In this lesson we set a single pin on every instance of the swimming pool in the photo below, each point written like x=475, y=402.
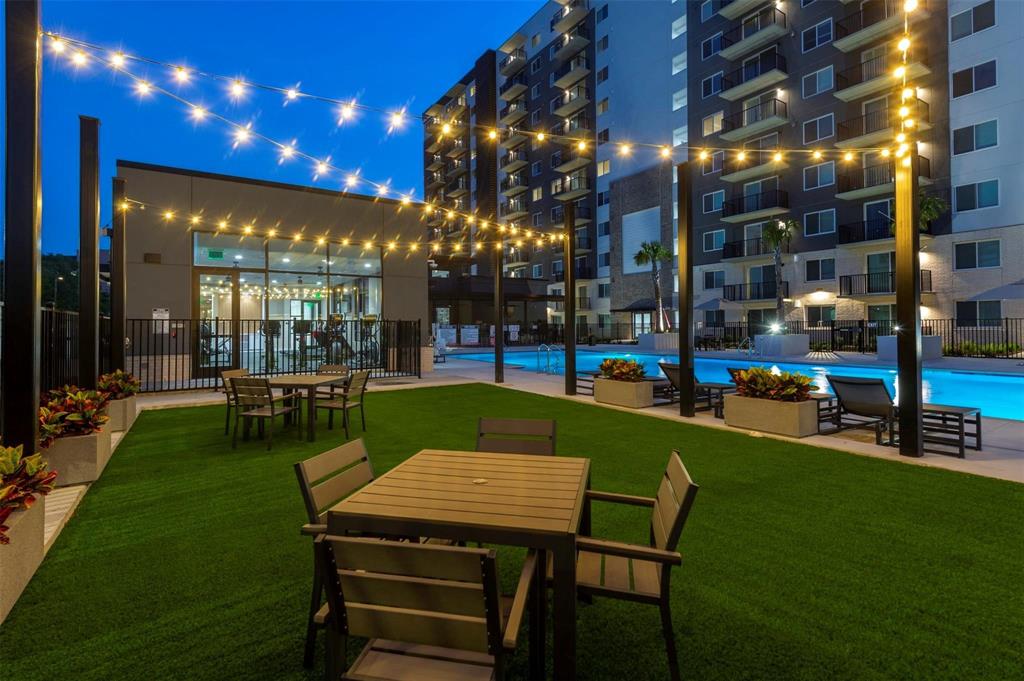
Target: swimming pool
x=997, y=395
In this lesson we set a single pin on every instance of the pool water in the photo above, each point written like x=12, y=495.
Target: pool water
x=997, y=395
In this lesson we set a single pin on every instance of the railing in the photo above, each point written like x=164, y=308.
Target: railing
x=876, y=175
x=518, y=54
x=870, y=12
x=758, y=290
x=575, y=124
x=874, y=283
x=580, y=31
x=874, y=68
x=509, y=207
x=571, y=184
x=868, y=230
x=456, y=185
x=759, y=66
x=513, y=155
x=578, y=62
x=751, y=159
x=516, y=106
x=775, y=198
x=574, y=93
x=518, y=79
x=876, y=121
x=558, y=214
x=458, y=165
x=514, y=182
x=582, y=243
x=749, y=247
x=583, y=303
x=769, y=16
x=755, y=114
x=565, y=11
x=581, y=273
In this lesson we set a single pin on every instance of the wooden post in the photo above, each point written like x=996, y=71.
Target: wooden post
x=118, y=288
x=23, y=208
x=908, y=305
x=684, y=267
x=88, y=251
x=569, y=269
x=499, y=309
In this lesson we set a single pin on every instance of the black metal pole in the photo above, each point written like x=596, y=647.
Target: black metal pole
x=499, y=309
x=88, y=251
x=22, y=265
x=908, y=305
x=569, y=269
x=687, y=398
x=118, y=288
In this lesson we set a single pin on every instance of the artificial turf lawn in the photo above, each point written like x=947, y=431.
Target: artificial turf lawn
x=185, y=560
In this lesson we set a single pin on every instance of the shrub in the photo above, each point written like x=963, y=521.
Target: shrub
x=21, y=479
x=763, y=384
x=80, y=412
x=972, y=349
x=622, y=370
x=51, y=425
x=118, y=385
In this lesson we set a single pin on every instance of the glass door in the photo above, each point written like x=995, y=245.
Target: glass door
x=880, y=272
x=216, y=313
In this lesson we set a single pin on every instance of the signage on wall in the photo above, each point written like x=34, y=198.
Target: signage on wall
x=214, y=254
x=161, y=319
x=470, y=334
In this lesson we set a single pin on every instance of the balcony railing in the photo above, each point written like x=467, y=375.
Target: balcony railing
x=573, y=183
x=572, y=11
x=581, y=273
x=755, y=114
x=513, y=207
x=512, y=182
x=579, y=62
x=880, y=66
x=759, y=66
x=751, y=159
x=876, y=121
x=516, y=59
x=875, y=176
x=759, y=290
x=583, y=303
x=513, y=108
x=579, y=123
x=877, y=283
x=749, y=247
x=457, y=186
x=776, y=198
x=519, y=79
x=435, y=179
x=456, y=166
x=868, y=230
x=558, y=214
x=870, y=12
x=517, y=155
x=769, y=16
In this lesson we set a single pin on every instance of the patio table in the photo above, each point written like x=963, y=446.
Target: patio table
x=309, y=383
x=523, y=500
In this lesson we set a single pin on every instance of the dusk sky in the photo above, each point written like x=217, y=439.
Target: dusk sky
x=385, y=54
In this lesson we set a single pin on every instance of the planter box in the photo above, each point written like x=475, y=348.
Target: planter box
x=624, y=393
x=657, y=341
x=20, y=559
x=80, y=458
x=795, y=419
x=780, y=345
x=931, y=348
x=122, y=414
x=426, y=359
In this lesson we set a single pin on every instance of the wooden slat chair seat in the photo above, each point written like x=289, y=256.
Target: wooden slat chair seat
x=429, y=612
x=229, y=395
x=353, y=397
x=516, y=436
x=254, y=399
x=332, y=391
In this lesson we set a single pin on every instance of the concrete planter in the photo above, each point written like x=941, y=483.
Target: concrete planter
x=426, y=359
x=657, y=341
x=79, y=458
x=931, y=348
x=780, y=345
x=122, y=414
x=624, y=393
x=20, y=559
x=795, y=419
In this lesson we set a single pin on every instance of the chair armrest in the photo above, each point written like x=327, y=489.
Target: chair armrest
x=615, y=548
x=288, y=397
x=519, y=599
x=312, y=530
x=619, y=498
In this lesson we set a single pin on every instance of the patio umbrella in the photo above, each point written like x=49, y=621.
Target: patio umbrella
x=1012, y=291
x=717, y=304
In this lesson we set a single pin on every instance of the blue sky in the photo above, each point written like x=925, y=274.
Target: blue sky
x=386, y=54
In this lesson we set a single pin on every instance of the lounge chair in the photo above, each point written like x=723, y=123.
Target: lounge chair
x=712, y=394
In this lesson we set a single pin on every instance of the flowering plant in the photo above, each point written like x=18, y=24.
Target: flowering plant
x=622, y=370
x=21, y=479
x=51, y=425
x=763, y=384
x=118, y=385
x=80, y=411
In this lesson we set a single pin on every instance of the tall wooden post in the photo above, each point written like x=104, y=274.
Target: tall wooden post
x=88, y=251
x=118, y=288
x=684, y=267
x=499, y=309
x=569, y=269
x=22, y=264
x=908, y=305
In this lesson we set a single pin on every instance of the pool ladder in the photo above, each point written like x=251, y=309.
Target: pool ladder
x=547, y=367
x=747, y=345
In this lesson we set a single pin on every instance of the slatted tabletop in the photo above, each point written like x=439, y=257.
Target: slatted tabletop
x=305, y=380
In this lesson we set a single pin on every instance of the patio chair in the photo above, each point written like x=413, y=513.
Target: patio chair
x=712, y=394
x=331, y=392
x=429, y=612
x=863, y=403
x=353, y=397
x=603, y=567
x=254, y=399
x=229, y=395
x=516, y=436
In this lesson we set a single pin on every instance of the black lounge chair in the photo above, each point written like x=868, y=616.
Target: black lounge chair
x=711, y=394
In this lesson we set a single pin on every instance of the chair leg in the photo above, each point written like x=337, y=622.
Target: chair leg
x=344, y=422
x=314, y=606
x=330, y=419
x=227, y=419
x=362, y=414
x=670, y=640
x=234, y=435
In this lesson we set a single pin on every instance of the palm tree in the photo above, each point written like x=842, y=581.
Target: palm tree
x=776, y=235
x=653, y=253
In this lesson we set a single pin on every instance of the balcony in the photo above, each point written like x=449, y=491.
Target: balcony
x=516, y=257
x=457, y=148
x=513, y=112
x=513, y=87
x=754, y=120
x=435, y=145
x=734, y=9
x=512, y=137
x=583, y=244
x=769, y=26
x=755, y=206
x=434, y=180
x=877, y=284
x=758, y=290
x=756, y=75
x=582, y=273
x=572, y=187
x=869, y=233
x=578, y=125
x=584, y=303
x=513, y=185
x=456, y=167
x=573, y=100
x=571, y=43
x=571, y=13
x=749, y=250
x=755, y=164
x=436, y=162
x=513, y=62
x=572, y=71
x=875, y=180
x=515, y=209
x=878, y=127
x=874, y=20
x=513, y=160
x=573, y=158
x=582, y=216
x=875, y=76
x=458, y=187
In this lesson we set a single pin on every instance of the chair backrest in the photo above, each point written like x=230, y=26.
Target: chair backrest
x=332, y=370
x=672, y=505
x=252, y=392
x=862, y=396
x=329, y=477
x=516, y=436
x=413, y=593
x=672, y=373
x=228, y=374
x=357, y=384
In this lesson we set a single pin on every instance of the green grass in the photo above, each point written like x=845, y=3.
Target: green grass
x=185, y=561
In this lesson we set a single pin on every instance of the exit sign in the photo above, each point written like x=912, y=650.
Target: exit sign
x=212, y=254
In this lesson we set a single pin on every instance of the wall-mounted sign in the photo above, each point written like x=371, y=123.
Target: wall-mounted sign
x=214, y=254
x=161, y=319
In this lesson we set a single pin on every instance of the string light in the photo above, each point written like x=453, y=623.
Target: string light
x=198, y=113
x=291, y=93
x=181, y=74
x=57, y=44
x=117, y=59
x=777, y=157
x=540, y=136
x=143, y=87
x=625, y=149
x=237, y=88
x=665, y=152
x=492, y=134
x=79, y=58
x=703, y=155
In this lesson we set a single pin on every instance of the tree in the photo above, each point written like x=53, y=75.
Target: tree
x=653, y=253
x=930, y=207
x=776, y=235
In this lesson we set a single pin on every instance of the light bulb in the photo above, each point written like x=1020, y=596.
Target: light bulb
x=142, y=87
x=848, y=156
x=625, y=149
x=168, y=215
x=581, y=145
x=540, y=137
x=321, y=168
x=291, y=93
x=741, y=156
x=665, y=152
x=909, y=5
x=198, y=113
x=57, y=44
x=237, y=88
x=703, y=155
x=445, y=129
x=778, y=156
x=117, y=59
x=79, y=58
x=900, y=71
x=397, y=119
x=287, y=151
x=181, y=74
x=493, y=134
x=816, y=155
x=903, y=44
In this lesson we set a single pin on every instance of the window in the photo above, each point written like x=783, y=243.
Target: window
x=535, y=65
x=975, y=137
x=602, y=106
x=972, y=255
x=678, y=99
x=817, y=35
x=713, y=123
x=679, y=63
x=817, y=82
x=820, y=222
x=804, y=3
x=711, y=85
x=712, y=202
x=975, y=78
x=603, y=198
x=535, y=91
x=535, y=117
x=978, y=18
x=713, y=240
x=820, y=270
x=819, y=128
x=604, y=228
x=537, y=194
x=977, y=195
x=556, y=159
x=535, y=40
x=678, y=27
x=536, y=167
x=554, y=104
x=979, y=313
x=820, y=315
x=604, y=320
x=602, y=44
x=604, y=259
x=602, y=136
x=602, y=75
x=537, y=219
x=604, y=290
x=604, y=167
x=713, y=163
x=714, y=279
x=551, y=51
x=714, y=318
x=821, y=175
x=679, y=135
x=602, y=13
x=711, y=46
x=537, y=271
x=707, y=10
